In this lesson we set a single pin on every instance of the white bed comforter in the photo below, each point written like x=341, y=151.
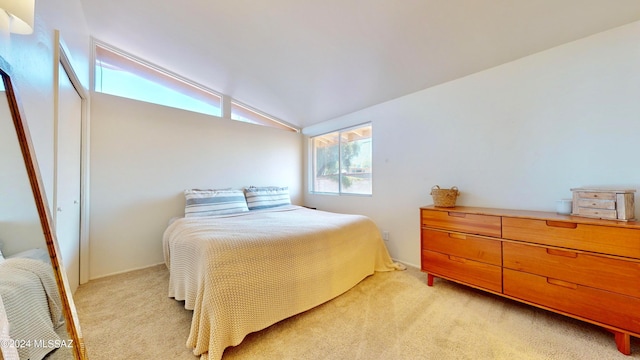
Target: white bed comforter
x=32, y=305
x=242, y=273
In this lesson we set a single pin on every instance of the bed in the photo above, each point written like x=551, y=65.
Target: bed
x=243, y=272
x=30, y=306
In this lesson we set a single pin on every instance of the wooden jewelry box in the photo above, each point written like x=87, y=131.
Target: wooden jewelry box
x=601, y=203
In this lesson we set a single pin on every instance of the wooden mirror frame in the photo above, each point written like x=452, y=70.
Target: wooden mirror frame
x=35, y=179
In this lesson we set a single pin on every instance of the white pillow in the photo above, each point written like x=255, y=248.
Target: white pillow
x=214, y=202
x=266, y=197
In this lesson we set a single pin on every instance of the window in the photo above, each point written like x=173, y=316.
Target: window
x=243, y=113
x=123, y=75
x=342, y=161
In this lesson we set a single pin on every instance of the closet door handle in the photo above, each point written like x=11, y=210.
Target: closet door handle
x=562, y=224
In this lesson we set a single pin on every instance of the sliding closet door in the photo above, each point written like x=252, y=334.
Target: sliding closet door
x=68, y=177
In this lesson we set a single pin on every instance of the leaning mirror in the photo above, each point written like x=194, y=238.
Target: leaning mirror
x=37, y=314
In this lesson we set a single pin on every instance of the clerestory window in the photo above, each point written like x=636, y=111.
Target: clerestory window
x=120, y=74
x=244, y=113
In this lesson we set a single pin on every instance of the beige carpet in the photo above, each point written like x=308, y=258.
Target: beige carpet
x=387, y=316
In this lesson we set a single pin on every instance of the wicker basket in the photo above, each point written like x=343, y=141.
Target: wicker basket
x=444, y=197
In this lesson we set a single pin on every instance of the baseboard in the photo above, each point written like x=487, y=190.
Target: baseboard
x=125, y=271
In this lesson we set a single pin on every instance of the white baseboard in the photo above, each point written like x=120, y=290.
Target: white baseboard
x=125, y=271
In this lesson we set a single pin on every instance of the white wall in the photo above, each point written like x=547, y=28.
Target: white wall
x=31, y=58
x=19, y=222
x=515, y=136
x=142, y=158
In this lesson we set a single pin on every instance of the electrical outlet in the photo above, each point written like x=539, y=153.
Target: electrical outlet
x=385, y=235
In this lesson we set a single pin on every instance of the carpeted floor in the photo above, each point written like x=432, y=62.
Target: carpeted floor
x=387, y=316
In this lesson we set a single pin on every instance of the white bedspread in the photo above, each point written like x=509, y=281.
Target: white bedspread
x=243, y=273
x=32, y=305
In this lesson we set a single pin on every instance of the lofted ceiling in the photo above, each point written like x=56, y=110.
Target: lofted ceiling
x=306, y=61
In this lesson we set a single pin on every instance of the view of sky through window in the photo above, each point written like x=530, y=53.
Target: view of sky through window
x=121, y=74
x=122, y=83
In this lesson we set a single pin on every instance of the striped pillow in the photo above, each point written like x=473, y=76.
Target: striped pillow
x=266, y=197
x=214, y=202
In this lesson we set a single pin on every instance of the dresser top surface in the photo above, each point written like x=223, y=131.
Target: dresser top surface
x=531, y=214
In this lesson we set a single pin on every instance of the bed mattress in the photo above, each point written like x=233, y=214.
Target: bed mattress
x=241, y=273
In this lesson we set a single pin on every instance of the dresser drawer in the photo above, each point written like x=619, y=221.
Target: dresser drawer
x=597, y=204
x=463, y=270
x=595, y=195
x=462, y=222
x=462, y=245
x=600, y=305
x=596, y=238
x=597, y=213
x=621, y=276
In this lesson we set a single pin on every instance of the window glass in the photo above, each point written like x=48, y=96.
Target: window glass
x=122, y=75
x=327, y=163
x=342, y=161
x=243, y=113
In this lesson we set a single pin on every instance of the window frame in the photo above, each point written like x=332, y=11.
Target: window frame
x=144, y=70
x=173, y=82
x=245, y=113
x=313, y=163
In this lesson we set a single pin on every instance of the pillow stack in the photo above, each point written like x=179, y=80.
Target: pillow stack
x=227, y=201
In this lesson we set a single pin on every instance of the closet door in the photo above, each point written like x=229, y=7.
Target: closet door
x=68, y=176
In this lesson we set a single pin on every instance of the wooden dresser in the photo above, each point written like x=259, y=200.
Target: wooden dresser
x=585, y=268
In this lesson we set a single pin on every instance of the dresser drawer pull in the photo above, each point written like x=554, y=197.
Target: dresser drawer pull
x=458, y=236
x=569, y=254
x=562, y=224
x=564, y=284
x=457, y=214
x=457, y=259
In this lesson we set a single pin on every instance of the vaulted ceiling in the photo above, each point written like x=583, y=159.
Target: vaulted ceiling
x=306, y=61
